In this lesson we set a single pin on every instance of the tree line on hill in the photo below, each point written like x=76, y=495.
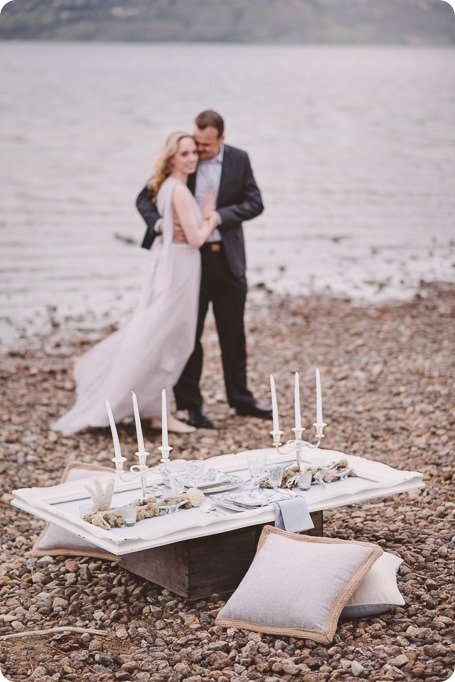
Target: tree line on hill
x=277, y=21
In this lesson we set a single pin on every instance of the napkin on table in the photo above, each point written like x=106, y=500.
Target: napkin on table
x=293, y=515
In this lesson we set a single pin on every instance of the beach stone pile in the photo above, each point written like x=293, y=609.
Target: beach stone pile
x=388, y=375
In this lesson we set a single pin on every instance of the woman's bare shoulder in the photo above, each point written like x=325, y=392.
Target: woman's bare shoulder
x=181, y=193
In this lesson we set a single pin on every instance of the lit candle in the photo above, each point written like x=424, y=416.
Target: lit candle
x=117, y=451
x=318, y=399
x=137, y=419
x=164, y=435
x=298, y=420
x=276, y=425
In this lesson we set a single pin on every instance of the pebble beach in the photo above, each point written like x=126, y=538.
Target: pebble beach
x=388, y=375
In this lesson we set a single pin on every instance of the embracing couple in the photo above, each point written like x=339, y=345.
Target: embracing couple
x=200, y=192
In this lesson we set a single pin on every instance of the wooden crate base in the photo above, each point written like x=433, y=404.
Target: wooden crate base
x=203, y=566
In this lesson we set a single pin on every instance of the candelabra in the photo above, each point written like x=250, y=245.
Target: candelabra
x=297, y=444
x=141, y=469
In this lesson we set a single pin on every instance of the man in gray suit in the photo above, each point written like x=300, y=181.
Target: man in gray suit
x=225, y=171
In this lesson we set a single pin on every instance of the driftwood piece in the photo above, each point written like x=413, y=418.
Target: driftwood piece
x=52, y=631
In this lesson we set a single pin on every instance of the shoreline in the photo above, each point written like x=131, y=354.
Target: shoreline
x=29, y=332
x=387, y=376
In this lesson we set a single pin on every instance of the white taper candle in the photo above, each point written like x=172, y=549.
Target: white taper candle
x=137, y=419
x=318, y=398
x=276, y=424
x=117, y=451
x=164, y=434
x=298, y=419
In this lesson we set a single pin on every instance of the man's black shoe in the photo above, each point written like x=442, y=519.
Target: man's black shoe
x=197, y=418
x=254, y=410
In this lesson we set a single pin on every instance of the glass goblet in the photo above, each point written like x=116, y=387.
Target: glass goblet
x=256, y=467
x=177, y=480
x=275, y=476
x=195, y=473
x=304, y=481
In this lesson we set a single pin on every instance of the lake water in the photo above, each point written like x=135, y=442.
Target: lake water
x=353, y=148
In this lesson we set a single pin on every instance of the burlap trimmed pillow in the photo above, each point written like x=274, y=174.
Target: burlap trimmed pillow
x=55, y=540
x=298, y=585
x=378, y=592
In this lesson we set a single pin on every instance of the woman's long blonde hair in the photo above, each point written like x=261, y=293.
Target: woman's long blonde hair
x=163, y=165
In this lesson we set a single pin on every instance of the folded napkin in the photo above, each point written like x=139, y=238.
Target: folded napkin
x=293, y=515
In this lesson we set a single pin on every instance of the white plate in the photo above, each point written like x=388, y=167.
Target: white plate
x=251, y=498
x=217, y=481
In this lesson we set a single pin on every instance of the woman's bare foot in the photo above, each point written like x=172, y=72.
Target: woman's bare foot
x=174, y=425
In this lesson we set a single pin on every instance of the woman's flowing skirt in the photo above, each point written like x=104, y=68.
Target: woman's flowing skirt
x=147, y=355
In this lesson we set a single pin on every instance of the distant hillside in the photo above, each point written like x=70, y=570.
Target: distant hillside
x=280, y=21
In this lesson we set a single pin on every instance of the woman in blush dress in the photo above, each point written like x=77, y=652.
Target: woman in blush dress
x=150, y=353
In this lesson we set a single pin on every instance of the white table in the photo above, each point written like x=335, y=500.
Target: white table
x=60, y=505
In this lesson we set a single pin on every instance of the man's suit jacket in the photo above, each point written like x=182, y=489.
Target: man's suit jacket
x=239, y=198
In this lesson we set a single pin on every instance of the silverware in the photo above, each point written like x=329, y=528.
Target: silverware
x=171, y=508
x=245, y=505
x=208, y=507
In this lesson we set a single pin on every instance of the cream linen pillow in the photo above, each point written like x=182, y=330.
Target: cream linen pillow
x=378, y=592
x=54, y=540
x=298, y=585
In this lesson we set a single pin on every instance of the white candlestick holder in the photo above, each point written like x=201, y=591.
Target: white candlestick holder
x=118, y=461
x=165, y=451
x=297, y=444
x=142, y=469
x=276, y=435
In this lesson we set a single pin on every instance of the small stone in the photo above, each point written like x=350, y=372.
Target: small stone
x=45, y=560
x=445, y=619
x=291, y=669
x=419, y=672
x=333, y=650
x=254, y=636
x=182, y=669
x=399, y=661
x=121, y=633
x=71, y=566
x=191, y=619
x=357, y=668
x=59, y=603
x=95, y=645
